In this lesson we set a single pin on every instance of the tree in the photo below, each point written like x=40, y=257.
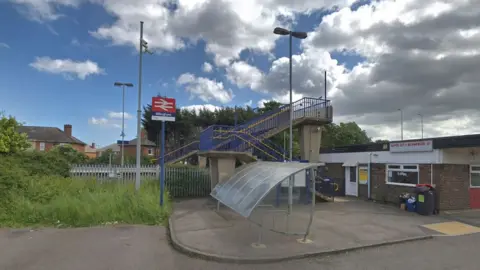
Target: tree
x=68, y=153
x=334, y=135
x=11, y=141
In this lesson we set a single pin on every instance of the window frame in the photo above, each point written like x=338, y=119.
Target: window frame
x=40, y=148
x=472, y=170
x=150, y=151
x=401, y=168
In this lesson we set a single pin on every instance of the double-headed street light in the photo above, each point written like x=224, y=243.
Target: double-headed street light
x=120, y=84
x=300, y=35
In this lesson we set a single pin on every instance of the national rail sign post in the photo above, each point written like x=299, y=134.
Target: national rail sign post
x=163, y=109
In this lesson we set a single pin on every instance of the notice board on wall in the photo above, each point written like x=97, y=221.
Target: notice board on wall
x=362, y=175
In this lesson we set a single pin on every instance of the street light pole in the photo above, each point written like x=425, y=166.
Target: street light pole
x=421, y=122
x=123, y=124
x=119, y=84
x=291, y=35
x=401, y=123
x=143, y=46
x=139, y=112
x=291, y=99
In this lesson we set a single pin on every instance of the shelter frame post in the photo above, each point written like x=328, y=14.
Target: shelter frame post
x=312, y=208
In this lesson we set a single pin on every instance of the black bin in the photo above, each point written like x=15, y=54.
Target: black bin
x=425, y=200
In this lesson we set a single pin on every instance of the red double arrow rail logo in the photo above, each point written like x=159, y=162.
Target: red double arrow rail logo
x=162, y=104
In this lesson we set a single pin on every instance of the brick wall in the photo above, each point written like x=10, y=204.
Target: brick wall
x=49, y=146
x=390, y=193
x=131, y=150
x=452, y=183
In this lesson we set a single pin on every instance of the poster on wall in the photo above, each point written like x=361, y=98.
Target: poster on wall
x=363, y=175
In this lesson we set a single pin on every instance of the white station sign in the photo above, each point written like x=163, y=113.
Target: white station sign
x=411, y=146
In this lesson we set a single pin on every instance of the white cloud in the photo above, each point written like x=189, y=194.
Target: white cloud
x=105, y=122
x=205, y=89
x=4, y=45
x=98, y=121
x=198, y=108
x=207, y=67
x=260, y=103
x=44, y=10
x=173, y=25
x=244, y=75
x=67, y=67
x=422, y=56
x=118, y=115
x=248, y=103
x=75, y=42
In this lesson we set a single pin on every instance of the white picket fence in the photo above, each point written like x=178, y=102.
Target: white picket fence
x=114, y=172
x=179, y=181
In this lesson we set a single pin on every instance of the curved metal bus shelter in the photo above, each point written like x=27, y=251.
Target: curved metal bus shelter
x=251, y=183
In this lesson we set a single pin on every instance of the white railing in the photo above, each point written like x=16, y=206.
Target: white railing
x=114, y=172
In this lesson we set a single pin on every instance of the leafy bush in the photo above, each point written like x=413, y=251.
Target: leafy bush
x=68, y=153
x=10, y=140
x=37, y=163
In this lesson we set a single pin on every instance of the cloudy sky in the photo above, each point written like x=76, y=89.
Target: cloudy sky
x=59, y=59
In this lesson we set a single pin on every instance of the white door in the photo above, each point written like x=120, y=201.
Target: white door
x=351, y=183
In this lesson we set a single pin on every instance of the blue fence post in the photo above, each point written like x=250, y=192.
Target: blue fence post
x=162, y=165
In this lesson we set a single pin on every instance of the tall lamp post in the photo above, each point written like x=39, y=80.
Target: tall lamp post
x=421, y=122
x=120, y=84
x=401, y=123
x=143, y=48
x=300, y=35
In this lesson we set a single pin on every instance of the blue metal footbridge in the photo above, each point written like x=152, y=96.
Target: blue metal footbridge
x=253, y=136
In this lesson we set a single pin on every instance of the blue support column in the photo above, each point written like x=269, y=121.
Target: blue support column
x=162, y=164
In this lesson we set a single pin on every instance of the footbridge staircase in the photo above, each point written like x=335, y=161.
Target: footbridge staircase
x=253, y=136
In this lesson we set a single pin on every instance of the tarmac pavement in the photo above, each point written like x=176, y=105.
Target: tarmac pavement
x=197, y=228
x=146, y=248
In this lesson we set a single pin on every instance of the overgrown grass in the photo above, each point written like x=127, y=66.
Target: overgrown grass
x=66, y=202
x=35, y=192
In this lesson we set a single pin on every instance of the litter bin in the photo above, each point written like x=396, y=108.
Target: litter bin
x=425, y=199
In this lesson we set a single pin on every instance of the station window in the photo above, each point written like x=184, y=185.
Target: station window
x=401, y=174
x=475, y=176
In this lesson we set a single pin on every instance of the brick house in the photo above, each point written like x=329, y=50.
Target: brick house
x=91, y=151
x=45, y=138
x=382, y=171
x=148, y=147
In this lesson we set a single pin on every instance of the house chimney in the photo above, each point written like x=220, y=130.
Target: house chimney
x=143, y=134
x=68, y=130
x=93, y=145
